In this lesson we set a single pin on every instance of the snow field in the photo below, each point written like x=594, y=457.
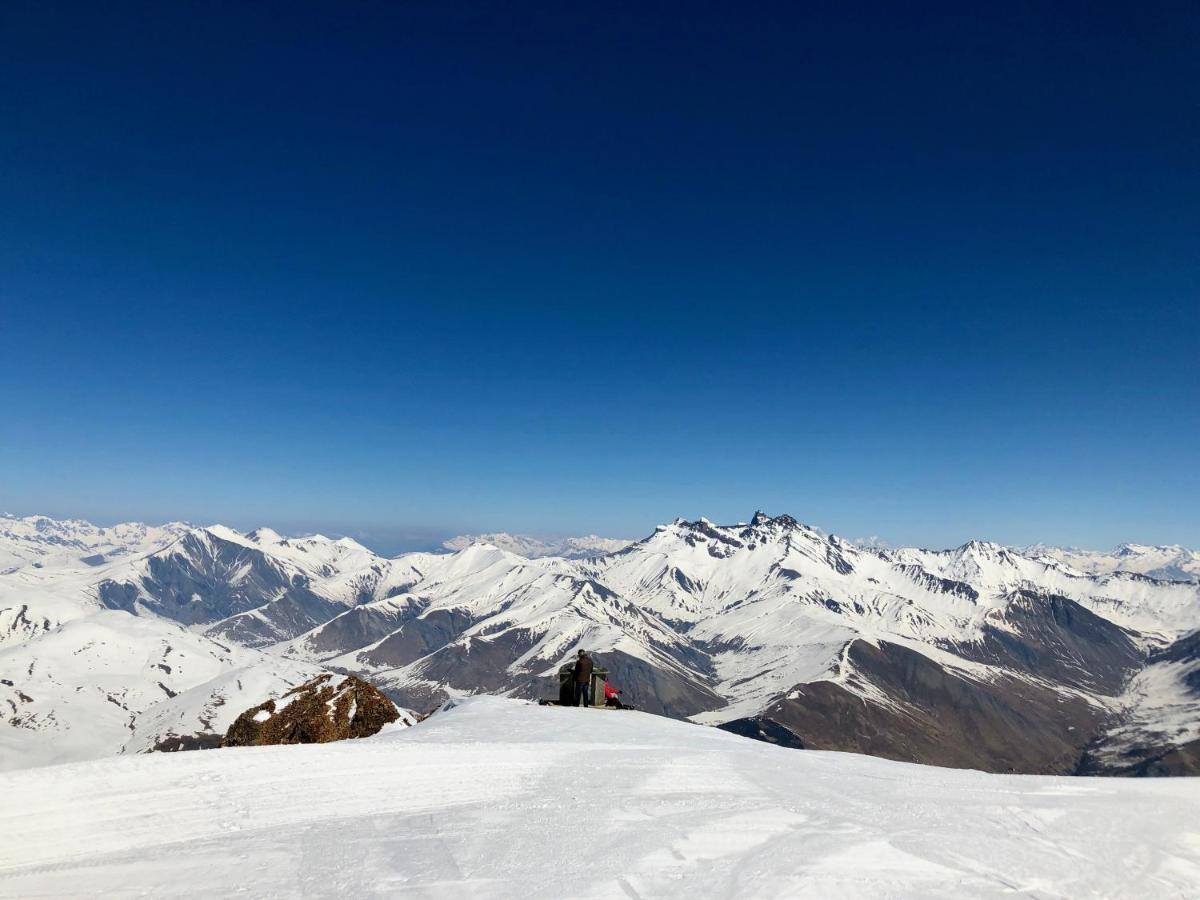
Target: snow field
x=499, y=798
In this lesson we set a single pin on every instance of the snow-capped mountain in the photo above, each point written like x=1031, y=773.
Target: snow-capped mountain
x=981, y=656
x=80, y=677
x=41, y=541
x=525, y=545
x=1172, y=562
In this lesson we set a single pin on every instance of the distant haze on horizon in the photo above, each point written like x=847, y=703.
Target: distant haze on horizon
x=415, y=272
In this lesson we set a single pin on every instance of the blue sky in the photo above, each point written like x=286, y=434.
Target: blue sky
x=929, y=273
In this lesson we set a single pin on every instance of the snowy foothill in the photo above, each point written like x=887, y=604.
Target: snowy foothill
x=503, y=798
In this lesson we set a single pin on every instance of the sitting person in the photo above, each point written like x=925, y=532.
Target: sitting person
x=611, y=696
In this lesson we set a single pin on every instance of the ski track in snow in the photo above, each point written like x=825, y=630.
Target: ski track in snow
x=485, y=800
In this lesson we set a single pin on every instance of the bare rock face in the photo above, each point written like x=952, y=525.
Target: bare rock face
x=322, y=710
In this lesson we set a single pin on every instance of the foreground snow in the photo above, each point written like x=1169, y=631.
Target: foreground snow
x=498, y=798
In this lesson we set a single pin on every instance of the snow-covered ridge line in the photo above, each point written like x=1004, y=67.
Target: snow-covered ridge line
x=532, y=547
x=34, y=538
x=724, y=624
x=42, y=541
x=1167, y=562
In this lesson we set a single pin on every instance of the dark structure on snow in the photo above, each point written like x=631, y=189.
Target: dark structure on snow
x=566, y=684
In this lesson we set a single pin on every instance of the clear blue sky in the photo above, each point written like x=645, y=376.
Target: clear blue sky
x=925, y=272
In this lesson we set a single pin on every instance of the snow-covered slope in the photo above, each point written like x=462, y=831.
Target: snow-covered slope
x=981, y=655
x=107, y=683
x=1157, y=729
x=80, y=679
x=499, y=799
x=41, y=541
x=255, y=589
x=532, y=547
x=976, y=656
x=1169, y=562
x=485, y=619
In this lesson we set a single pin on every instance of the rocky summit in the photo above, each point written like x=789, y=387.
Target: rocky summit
x=317, y=712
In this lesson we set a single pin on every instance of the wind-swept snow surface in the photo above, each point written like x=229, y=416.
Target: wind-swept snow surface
x=499, y=798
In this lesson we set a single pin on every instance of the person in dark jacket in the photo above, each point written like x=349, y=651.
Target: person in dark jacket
x=583, y=679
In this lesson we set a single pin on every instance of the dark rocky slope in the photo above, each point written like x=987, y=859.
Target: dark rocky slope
x=325, y=709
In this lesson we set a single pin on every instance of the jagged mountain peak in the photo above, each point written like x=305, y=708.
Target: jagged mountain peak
x=763, y=531
x=760, y=520
x=989, y=548
x=786, y=521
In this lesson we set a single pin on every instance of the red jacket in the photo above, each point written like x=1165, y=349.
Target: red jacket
x=609, y=691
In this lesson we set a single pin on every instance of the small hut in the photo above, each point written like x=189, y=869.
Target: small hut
x=566, y=684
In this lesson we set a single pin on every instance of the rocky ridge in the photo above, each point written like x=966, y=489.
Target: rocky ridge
x=328, y=708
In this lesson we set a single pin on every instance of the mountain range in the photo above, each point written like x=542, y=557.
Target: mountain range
x=532, y=547
x=1170, y=562
x=132, y=638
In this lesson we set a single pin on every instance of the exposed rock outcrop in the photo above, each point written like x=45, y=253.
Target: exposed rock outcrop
x=322, y=710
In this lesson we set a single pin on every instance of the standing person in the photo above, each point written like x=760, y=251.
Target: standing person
x=583, y=679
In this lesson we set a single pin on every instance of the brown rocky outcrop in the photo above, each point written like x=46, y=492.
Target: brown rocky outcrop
x=328, y=708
